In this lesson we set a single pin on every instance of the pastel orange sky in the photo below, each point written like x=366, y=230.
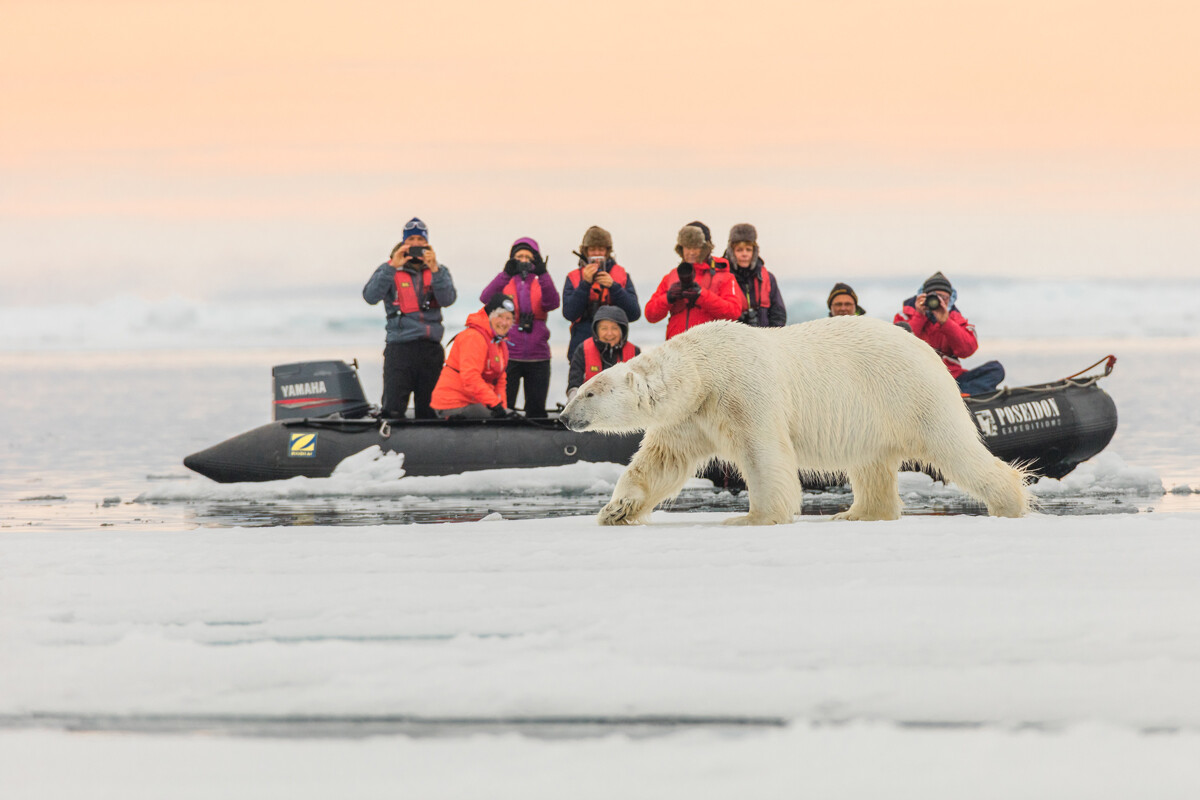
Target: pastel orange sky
x=872, y=138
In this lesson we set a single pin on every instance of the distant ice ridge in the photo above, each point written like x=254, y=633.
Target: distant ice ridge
x=336, y=315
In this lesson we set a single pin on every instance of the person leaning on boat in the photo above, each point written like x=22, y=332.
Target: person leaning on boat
x=472, y=384
x=415, y=288
x=765, y=307
x=598, y=281
x=699, y=290
x=843, y=302
x=524, y=278
x=607, y=346
x=935, y=319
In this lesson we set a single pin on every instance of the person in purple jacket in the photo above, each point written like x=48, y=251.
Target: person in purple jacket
x=525, y=279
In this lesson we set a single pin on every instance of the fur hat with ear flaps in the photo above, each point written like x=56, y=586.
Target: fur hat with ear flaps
x=742, y=232
x=692, y=236
x=596, y=236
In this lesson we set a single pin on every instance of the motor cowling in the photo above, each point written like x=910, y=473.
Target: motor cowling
x=318, y=389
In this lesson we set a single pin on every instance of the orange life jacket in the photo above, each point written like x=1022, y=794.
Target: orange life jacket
x=599, y=295
x=535, y=297
x=593, y=365
x=407, y=298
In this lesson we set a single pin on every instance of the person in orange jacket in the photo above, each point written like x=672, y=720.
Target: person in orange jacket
x=473, y=382
x=699, y=290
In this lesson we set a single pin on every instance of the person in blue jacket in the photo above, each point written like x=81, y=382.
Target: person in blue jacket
x=598, y=281
x=415, y=288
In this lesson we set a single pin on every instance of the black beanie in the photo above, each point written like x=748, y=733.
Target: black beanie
x=937, y=282
x=840, y=288
x=499, y=300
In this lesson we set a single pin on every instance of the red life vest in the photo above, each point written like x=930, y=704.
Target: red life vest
x=762, y=287
x=599, y=296
x=407, y=298
x=535, y=297
x=593, y=365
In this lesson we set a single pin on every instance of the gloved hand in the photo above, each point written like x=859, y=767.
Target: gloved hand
x=498, y=411
x=691, y=294
x=687, y=274
x=539, y=264
x=512, y=267
x=674, y=293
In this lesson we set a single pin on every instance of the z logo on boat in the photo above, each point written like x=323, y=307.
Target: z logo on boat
x=303, y=445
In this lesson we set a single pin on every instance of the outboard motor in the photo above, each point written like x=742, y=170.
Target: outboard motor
x=318, y=389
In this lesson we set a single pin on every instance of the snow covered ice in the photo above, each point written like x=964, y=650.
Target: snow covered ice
x=210, y=650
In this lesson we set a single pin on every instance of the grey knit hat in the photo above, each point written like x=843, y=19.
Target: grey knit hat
x=937, y=282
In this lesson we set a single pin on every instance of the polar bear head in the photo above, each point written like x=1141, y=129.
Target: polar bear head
x=633, y=396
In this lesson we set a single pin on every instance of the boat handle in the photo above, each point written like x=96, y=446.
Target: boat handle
x=570, y=450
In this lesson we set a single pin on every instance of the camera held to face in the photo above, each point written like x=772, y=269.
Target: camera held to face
x=417, y=253
x=932, y=302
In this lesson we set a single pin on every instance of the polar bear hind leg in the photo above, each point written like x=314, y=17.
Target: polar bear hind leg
x=657, y=471
x=876, y=488
x=976, y=471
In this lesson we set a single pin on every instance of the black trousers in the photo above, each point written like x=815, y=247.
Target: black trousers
x=536, y=375
x=410, y=368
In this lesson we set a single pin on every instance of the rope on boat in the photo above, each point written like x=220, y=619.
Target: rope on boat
x=1108, y=367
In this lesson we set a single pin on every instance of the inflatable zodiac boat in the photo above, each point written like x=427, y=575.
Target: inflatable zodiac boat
x=322, y=416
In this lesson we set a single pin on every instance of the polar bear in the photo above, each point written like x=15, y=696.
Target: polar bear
x=853, y=395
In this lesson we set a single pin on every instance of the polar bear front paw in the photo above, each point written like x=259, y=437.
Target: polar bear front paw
x=620, y=512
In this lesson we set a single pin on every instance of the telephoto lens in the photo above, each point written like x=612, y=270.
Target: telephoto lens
x=933, y=302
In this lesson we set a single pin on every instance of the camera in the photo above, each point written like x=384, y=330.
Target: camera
x=601, y=263
x=416, y=252
x=525, y=323
x=932, y=302
x=687, y=275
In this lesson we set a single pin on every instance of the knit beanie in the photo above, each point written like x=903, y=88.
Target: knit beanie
x=692, y=236
x=841, y=288
x=499, y=300
x=415, y=227
x=937, y=282
x=596, y=236
x=524, y=243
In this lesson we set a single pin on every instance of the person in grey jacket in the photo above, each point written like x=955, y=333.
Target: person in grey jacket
x=608, y=346
x=415, y=288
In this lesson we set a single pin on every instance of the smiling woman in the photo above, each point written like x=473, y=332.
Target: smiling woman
x=134, y=122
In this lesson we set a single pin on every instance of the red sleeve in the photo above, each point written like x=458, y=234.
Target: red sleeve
x=725, y=303
x=657, y=306
x=959, y=336
x=906, y=315
x=471, y=361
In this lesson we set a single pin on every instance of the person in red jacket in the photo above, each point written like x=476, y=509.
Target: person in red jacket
x=699, y=290
x=935, y=319
x=473, y=382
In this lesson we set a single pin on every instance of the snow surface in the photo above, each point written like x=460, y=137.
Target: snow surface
x=1049, y=635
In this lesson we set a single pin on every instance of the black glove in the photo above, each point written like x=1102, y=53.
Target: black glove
x=498, y=411
x=539, y=264
x=674, y=293
x=512, y=267
x=691, y=294
x=687, y=274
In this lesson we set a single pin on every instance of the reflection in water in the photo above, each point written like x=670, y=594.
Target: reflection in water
x=407, y=511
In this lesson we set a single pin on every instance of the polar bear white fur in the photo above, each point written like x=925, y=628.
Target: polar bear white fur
x=853, y=395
